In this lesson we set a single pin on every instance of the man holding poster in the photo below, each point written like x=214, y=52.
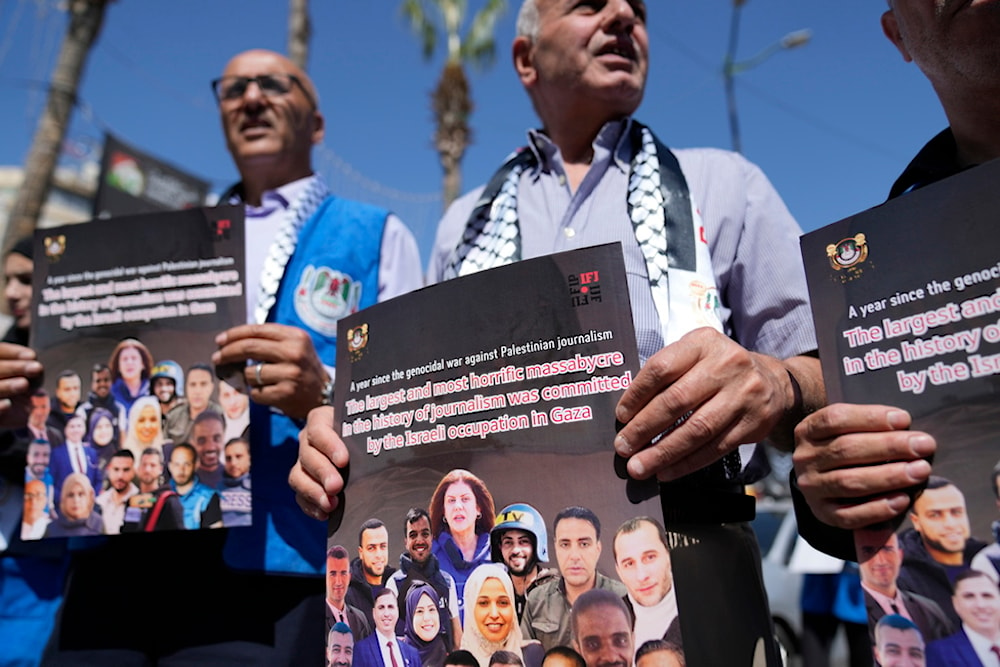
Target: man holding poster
x=300, y=240
x=31, y=573
x=726, y=342
x=855, y=463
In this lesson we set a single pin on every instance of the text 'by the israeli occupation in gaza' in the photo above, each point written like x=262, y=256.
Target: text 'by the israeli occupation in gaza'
x=431, y=410
x=124, y=294
x=972, y=315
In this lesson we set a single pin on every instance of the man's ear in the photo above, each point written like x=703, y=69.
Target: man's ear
x=891, y=29
x=523, y=63
x=319, y=128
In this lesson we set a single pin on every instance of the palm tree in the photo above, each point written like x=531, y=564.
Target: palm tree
x=299, y=31
x=85, y=20
x=451, y=99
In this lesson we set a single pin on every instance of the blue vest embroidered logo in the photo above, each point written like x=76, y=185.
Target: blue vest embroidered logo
x=324, y=296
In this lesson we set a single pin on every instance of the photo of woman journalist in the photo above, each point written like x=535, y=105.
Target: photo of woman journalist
x=423, y=625
x=76, y=509
x=235, y=408
x=490, y=620
x=145, y=426
x=462, y=511
x=101, y=436
x=130, y=365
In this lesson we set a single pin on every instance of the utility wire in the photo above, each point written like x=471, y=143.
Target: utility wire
x=200, y=102
x=326, y=154
x=375, y=187
x=822, y=124
x=8, y=37
x=776, y=101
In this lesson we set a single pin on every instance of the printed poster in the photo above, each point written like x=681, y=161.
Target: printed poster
x=133, y=181
x=479, y=413
x=906, y=299
x=131, y=429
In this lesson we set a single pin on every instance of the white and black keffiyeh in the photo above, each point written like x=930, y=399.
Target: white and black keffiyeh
x=667, y=227
x=284, y=245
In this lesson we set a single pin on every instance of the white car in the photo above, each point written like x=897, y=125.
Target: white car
x=777, y=534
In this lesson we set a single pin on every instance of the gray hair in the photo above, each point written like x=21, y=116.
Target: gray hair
x=527, y=19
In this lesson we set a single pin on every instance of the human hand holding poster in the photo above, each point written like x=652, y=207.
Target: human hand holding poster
x=906, y=299
x=479, y=414
x=125, y=434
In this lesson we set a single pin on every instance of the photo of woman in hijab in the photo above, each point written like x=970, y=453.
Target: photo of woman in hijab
x=490, y=619
x=76, y=510
x=102, y=436
x=145, y=426
x=423, y=625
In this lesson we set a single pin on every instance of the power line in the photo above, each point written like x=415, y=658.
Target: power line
x=326, y=155
x=8, y=37
x=198, y=102
x=776, y=101
x=42, y=52
x=823, y=125
x=41, y=56
x=372, y=186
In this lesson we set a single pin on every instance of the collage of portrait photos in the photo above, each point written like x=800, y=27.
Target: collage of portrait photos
x=132, y=430
x=932, y=588
x=494, y=570
x=488, y=519
x=900, y=323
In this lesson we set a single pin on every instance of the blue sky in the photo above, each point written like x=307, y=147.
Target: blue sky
x=831, y=123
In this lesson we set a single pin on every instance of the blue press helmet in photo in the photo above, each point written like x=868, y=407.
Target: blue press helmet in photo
x=520, y=516
x=169, y=369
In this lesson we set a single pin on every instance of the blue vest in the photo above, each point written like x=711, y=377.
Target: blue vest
x=194, y=502
x=333, y=272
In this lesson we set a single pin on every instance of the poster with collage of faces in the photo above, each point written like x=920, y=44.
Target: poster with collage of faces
x=906, y=299
x=131, y=429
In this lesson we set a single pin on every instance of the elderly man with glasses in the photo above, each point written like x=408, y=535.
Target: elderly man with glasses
x=311, y=259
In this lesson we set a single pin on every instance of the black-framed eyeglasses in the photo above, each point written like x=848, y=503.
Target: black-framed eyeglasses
x=228, y=88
